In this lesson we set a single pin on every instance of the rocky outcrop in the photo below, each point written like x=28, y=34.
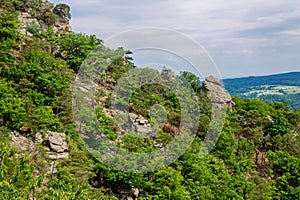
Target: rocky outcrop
x=167, y=74
x=216, y=92
x=40, y=19
x=132, y=122
x=27, y=22
x=56, y=147
x=38, y=138
x=21, y=142
x=54, y=143
x=57, y=142
x=61, y=26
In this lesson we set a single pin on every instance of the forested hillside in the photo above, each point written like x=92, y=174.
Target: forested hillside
x=283, y=88
x=256, y=157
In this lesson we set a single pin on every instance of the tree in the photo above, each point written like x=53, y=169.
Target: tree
x=192, y=79
x=286, y=168
x=74, y=48
x=63, y=10
x=8, y=39
x=12, y=108
x=279, y=126
x=17, y=179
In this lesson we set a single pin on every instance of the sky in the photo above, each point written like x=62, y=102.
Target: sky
x=243, y=38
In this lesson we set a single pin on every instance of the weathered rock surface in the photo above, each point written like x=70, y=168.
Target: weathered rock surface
x=57, y=148
x=132, y=122
x=167, y=74
x=216, y=92
x=57, y=156
x=57, y=141
x=21, y=142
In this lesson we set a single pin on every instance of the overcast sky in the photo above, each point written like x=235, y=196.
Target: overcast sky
x=247, y=37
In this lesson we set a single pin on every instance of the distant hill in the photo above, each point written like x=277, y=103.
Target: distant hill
x=273, y=88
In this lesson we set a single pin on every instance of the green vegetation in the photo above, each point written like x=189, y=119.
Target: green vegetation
x=256, y=157
x=63, y=10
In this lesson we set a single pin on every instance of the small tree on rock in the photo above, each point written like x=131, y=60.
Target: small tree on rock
x=63, y=10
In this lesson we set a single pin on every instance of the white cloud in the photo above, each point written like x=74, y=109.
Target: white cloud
x=292, y=32
x=248, y=29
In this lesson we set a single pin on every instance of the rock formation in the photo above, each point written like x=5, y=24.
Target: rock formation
x=132, y=122
x=216, y=92
x=57, y=141
x=140, y=124
x=42, y=18
x=21, y=142
x=54, y=143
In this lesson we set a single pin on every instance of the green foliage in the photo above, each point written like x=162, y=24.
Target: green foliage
x=280, y=125
x=8, y=39
x=286, y=168
x=17, y=180
x=107, y=124
x=12, y=108
x=256, y=156
x=65, y=186
x=135, y=143
x=74, y=48
x=44, y=119
x=167, y=184
x=192, y=79
x=63, y=10
x=34, y=28
x=149, y=95
x=119, y=66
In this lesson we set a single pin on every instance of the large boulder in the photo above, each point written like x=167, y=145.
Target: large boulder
x=57, y=141
x=56, y=148
x=216, y=92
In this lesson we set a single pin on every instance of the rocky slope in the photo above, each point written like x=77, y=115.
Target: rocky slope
x=37, y=16
x=52, y=143
x=256, y=156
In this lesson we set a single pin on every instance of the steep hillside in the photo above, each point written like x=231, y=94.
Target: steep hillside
x=50, y=139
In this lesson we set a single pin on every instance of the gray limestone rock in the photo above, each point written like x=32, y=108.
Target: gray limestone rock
x=217, y=93
x=132, y=122
x=21, y=142
x=57, y=141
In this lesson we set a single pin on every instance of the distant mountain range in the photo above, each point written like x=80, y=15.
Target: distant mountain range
x=272, y=88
